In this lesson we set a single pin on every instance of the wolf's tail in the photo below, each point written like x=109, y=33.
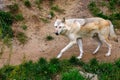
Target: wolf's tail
x=112, y=32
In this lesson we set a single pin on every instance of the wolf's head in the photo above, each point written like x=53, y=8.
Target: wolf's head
x=60, y=27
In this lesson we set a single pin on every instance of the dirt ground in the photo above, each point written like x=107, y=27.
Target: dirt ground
x=37, y=46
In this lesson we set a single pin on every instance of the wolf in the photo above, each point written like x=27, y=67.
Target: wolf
x=76, y=29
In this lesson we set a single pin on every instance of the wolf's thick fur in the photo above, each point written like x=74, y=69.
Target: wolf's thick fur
x=75, y=29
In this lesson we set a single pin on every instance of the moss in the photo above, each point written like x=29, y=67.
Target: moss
x=27, y=3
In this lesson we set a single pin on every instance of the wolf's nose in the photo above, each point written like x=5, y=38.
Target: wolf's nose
x=56, y=33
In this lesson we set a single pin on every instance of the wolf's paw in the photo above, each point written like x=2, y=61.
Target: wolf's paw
x=94, y=52
x=79, y=57
x=108, y=54
x=59, y=56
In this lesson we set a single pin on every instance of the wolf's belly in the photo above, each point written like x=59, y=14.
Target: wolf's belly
x=87, y=34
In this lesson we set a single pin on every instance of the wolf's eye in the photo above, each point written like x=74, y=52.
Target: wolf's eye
x=59, y=26
x=55, y=26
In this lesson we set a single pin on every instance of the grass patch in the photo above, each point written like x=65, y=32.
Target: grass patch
x=24, y=27
x=6, y=32
x=19, y=17
x=7, y=41
x=6, y=20
x=44, y=20
x=56, y=8
x=22, y=38
x=113, y=4
x=66, y=69
x=13, y=8
x=117, y=63
x=74, y=60
x=27, y=3
x=49, y=38
x=73, y=74
x=52, y=14
x=38, y=2
x=6, y=17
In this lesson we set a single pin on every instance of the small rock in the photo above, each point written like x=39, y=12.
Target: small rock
x=49, y=16
x=89, y=76
x=1, y=5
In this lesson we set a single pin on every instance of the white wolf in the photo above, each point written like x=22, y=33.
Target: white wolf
x=75, y=29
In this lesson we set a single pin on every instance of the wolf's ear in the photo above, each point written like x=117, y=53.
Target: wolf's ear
x=63, y=20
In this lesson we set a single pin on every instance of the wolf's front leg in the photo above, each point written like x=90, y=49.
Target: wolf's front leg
x=66, y=48
x=79, y=41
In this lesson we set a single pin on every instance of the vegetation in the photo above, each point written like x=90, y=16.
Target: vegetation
x=19, y=17
x=49, y=37
x=7, y=41
x=52, y=14
x=113, y=9
x=66, y=69
x=56, y=8
x=6, y=20
x=13, y=8
x=27, y=3
x=38, y=2
x=24, y=27
x=6, y=32
x=45, y=20
x=73, y=74
x=22, y=38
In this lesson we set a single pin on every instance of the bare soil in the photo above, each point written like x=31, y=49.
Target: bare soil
x=37, y=46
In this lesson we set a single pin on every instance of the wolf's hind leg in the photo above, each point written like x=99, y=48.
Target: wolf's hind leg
x=109, y=47
x=106, y=41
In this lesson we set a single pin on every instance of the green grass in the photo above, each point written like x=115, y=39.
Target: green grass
x=56, y=8
x=19, y=17
x=38, y=2
x=93, y=8
x=117, y=63
x=13, y=8
x=52, y=13
x=44, y=20
x=6, y=20
x=113, y=4
x=24, y=27
x=66, y=69
x=49, y=38
x=22, y=38
x=6, y=32
x=27, y=3
x=6, y=17
x=73, y=74
x=7, y=41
